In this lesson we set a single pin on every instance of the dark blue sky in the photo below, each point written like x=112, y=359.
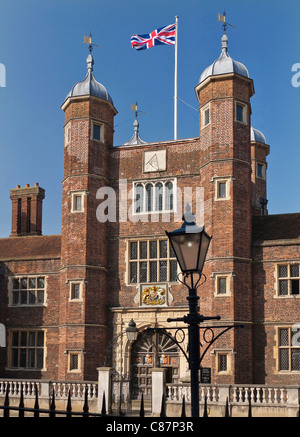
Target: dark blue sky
x=41, y=47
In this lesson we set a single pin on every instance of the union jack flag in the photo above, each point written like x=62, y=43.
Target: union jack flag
x=163, y=35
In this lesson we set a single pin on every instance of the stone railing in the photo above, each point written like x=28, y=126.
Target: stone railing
x=236, y=394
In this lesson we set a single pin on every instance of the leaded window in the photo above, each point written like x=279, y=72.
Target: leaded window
x=28, y=290
x=151, y=261
x=288, y=280
x=154, y=196
x=27, y=349
x=289, y=348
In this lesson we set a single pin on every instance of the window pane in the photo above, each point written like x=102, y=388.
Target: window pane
x=159, y=197
x=96, y=132
x=23, y=358
x=31, y=358
x=15, y=339
x=295, y=359
x=23, y=297
x=143, y=272
x=40, y=358
x=222, y=363
x=295, y=286
x=32, y=283
x=283, y=271
x=283, y=287
x=206, y=117
x=139, y=198
x=32, y=339
x=169, y=196
x=40, y=296
x=295, y=270
x=15, y=355
x=163, y=270
x=153, y=271
x=284, y=337
x=15, y=297
x=259, y=170
x=41, y=283
x=77, y=203
x=143, y=249
x=16, y=284
x=40, y=338
x=133, y=273
x=173, y=271
x=133, y=250
x=284, y=359
x=75, y=291
x=74, y=362
x=149, y=197
x=163, y=244
x=31, y=297
x=222, y=286
x=24, y=283
x=239, y=113
x=222, y=190
x=153, y=249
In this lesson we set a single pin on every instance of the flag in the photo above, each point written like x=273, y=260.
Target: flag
x=163, y=35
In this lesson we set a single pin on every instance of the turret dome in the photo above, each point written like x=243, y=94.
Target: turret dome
x=224, y=64
x=89, y=86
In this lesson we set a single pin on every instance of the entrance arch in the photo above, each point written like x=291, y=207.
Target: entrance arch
x=148, y=351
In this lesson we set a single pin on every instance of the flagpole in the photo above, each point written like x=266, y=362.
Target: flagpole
x=175, y=81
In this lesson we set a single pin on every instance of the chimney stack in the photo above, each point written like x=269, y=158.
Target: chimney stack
x=27, y=206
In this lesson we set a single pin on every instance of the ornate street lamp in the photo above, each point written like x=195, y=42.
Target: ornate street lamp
x=190, y=244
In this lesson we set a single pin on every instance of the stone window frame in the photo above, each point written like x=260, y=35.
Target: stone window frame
x=223, y=352
x=287, y=278
x=12, y=290
x=222, y=275
x=101, y=125
x=287, y=347
x=202, y=115
x=157, y=259
x=217, y=181
x=73, y=282
x=263, y=170
x=154, y=182
x=245, y=112
x=72, y=353
x=77, y=193
x=28, y=348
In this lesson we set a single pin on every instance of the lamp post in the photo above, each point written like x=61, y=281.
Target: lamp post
x=190, y=244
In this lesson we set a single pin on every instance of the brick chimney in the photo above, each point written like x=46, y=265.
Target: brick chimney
x=27, y=206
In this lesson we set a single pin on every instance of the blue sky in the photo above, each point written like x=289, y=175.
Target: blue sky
x=41, y=47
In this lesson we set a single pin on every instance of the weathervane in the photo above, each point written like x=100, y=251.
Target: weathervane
x=88, y=40
x=222, y=19
x=135, y=108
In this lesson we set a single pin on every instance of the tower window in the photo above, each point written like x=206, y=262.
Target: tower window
x=222, y=188
x=205, y=115
x=240, y=112
x=97, y=132
x=77, y=202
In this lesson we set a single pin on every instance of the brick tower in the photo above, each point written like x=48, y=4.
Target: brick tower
x=224, y=93
x=89, y=118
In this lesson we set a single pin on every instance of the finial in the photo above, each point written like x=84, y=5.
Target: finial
x=90, y=63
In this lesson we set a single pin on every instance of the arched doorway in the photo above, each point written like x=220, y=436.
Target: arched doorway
x=152, y=350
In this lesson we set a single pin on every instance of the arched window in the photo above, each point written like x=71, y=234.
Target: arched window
x=149, y=197
x=159, y=197
x=169, y=196
x=139, y=198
